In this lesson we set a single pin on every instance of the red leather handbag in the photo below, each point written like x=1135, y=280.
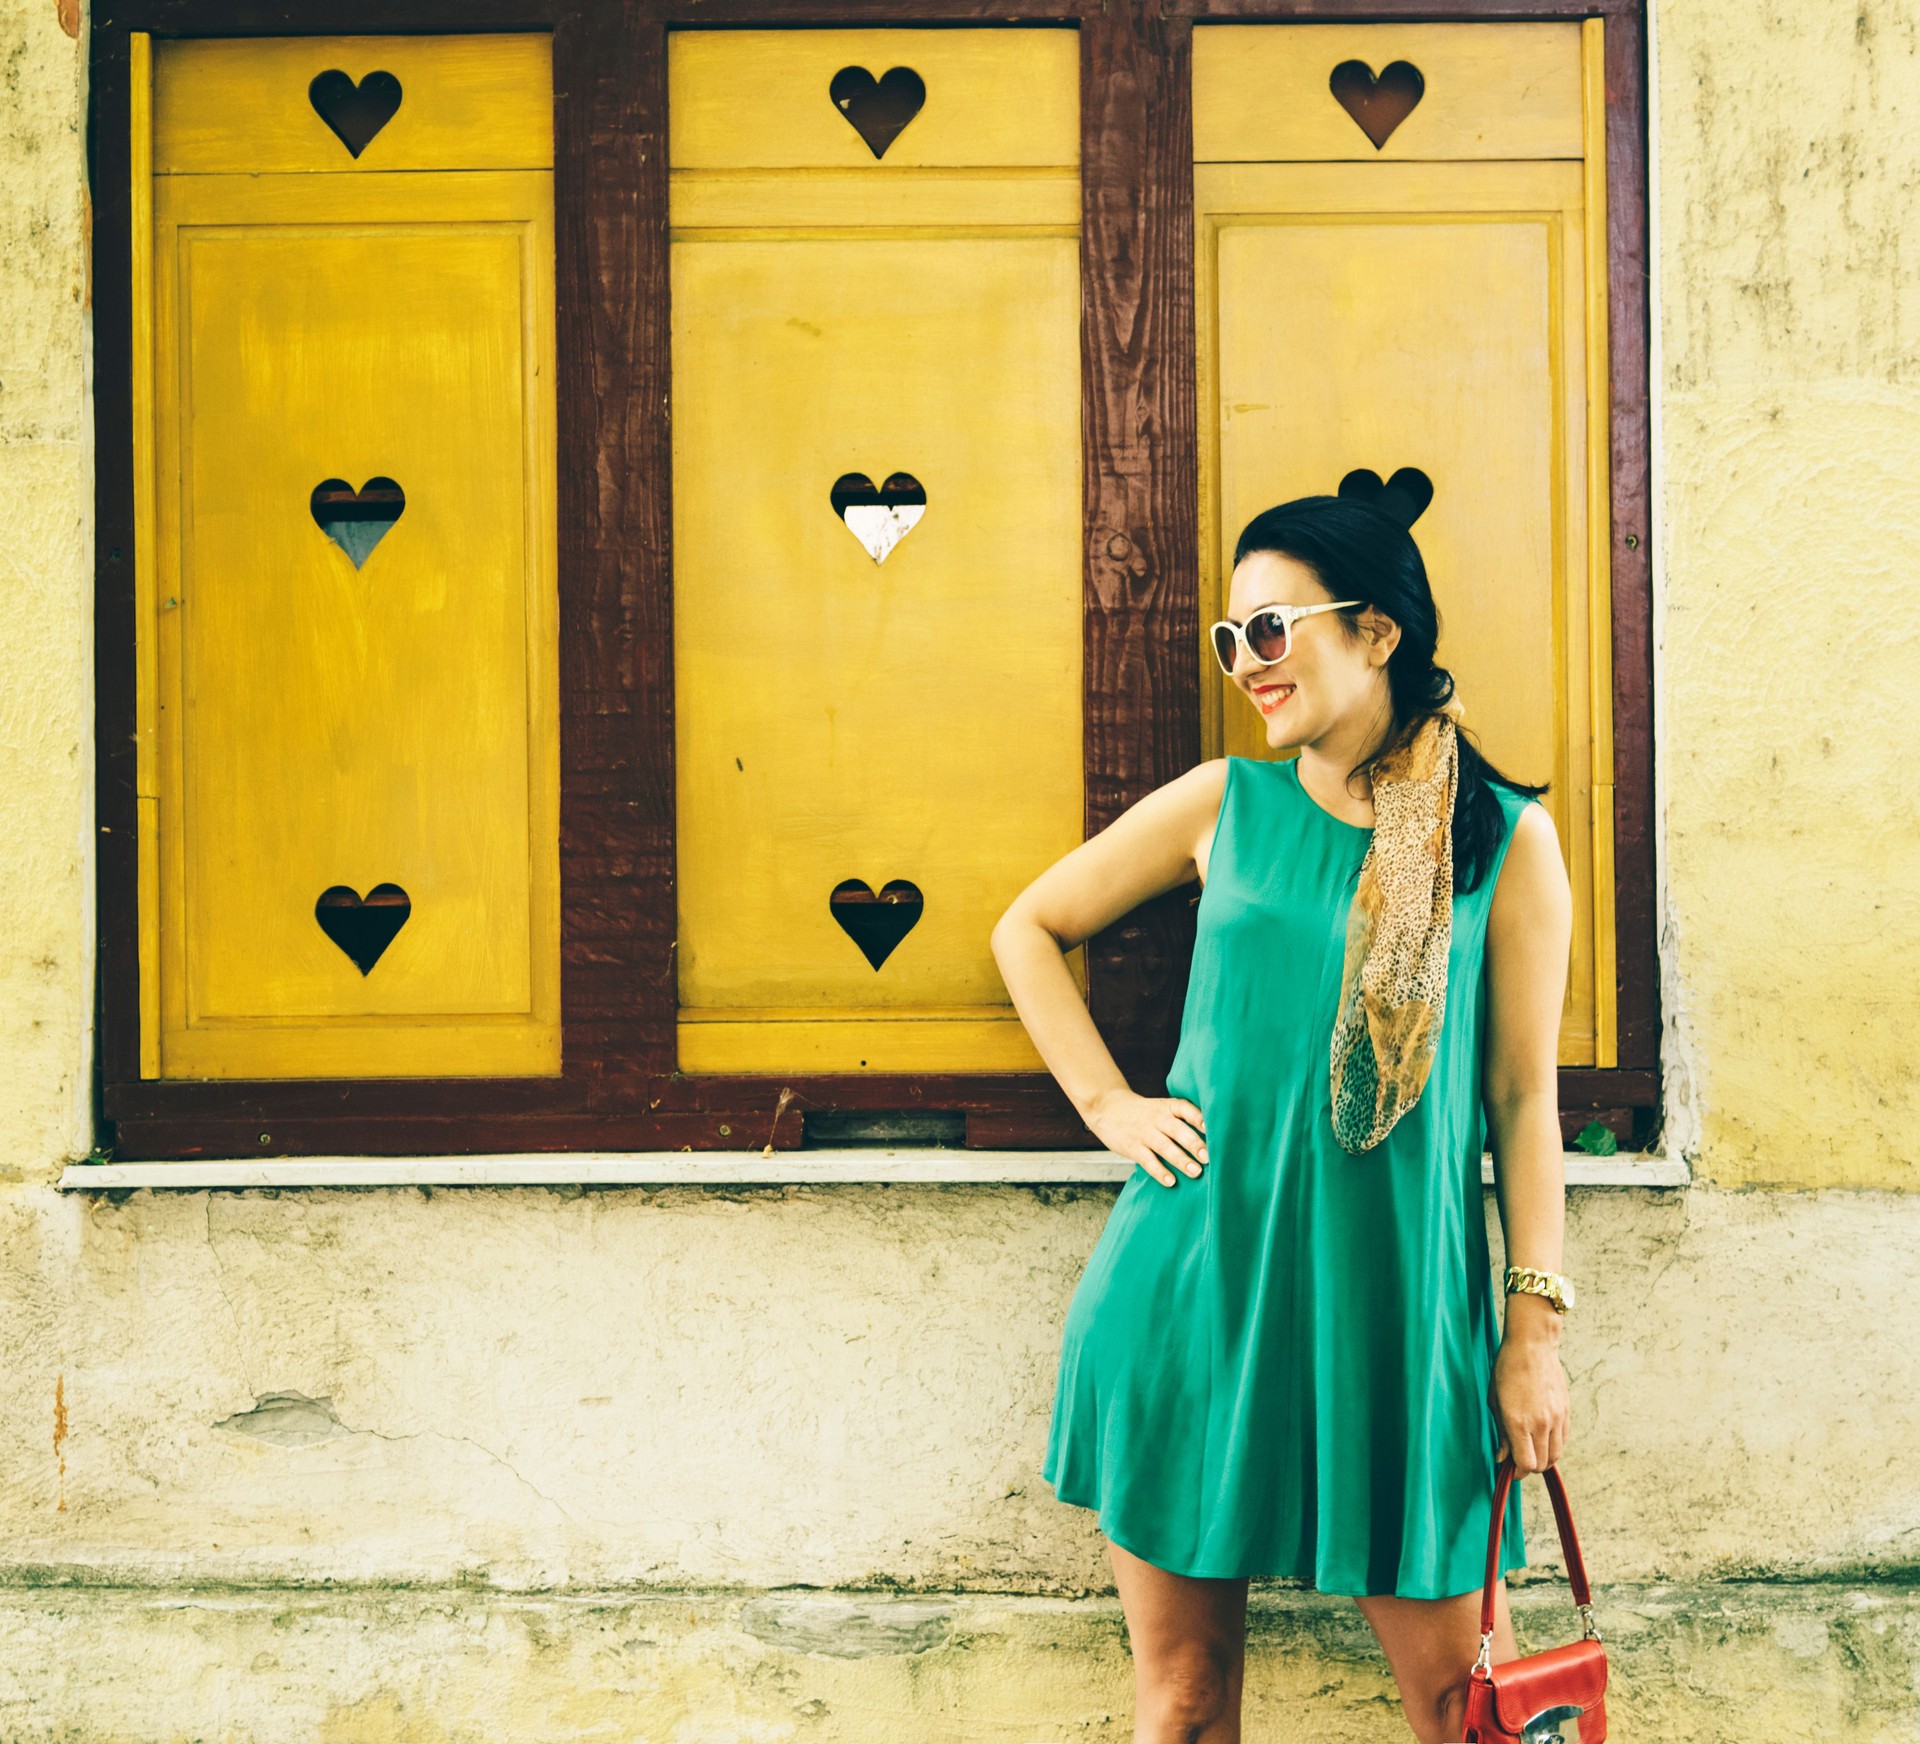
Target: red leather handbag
x=1529, y=1700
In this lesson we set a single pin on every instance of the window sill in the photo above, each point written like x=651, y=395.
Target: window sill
x=867, y=1164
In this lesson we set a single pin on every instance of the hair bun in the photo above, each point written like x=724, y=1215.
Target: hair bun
x=1402, y=498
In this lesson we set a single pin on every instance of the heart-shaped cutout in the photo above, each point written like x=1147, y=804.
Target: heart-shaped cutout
x=363, y=929
x=876, y=923
x=879, y=517
x=1378, y=104
x=357, y=520
x=1404, y=496
x=878, y=109
x=354, y=112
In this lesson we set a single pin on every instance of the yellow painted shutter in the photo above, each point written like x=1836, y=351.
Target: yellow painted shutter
x=1412, y=277
x=348, y=611
x=875, y=279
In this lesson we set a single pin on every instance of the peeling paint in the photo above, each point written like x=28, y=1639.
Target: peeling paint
x=60, y=1437
x=846, y=1628
x=286, y=1420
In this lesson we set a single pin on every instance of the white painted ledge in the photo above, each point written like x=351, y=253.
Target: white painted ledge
x=872, y=1164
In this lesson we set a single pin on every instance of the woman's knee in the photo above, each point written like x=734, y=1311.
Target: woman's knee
x=1190, y=1687
x=1449, y=1709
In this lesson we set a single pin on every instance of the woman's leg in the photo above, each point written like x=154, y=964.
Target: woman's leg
x=1431, y=1645
x=1189, y=1652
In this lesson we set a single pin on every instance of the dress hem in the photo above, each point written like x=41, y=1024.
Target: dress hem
x=1507, y=1564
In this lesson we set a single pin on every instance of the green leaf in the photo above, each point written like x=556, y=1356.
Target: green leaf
x=1596, y=1140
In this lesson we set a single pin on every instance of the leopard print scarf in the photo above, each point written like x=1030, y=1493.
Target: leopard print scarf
x=1393, y=984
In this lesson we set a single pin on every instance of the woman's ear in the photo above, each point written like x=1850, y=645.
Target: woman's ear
x=1382, y=635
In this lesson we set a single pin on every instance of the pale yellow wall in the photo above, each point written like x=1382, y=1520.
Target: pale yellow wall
x=838, y=1386
x=46, y=629
x=1789, y=698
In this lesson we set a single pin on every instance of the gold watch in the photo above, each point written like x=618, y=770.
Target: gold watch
x=1531, y=1281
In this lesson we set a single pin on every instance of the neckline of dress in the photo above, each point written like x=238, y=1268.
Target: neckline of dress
x=1292, y=765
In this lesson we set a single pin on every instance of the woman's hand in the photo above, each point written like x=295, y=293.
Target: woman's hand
x=1529, y=1390
x=1147, y=1129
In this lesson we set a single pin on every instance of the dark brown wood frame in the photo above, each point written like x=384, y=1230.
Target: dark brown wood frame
x=620, y=1089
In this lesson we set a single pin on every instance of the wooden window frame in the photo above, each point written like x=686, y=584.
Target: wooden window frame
x=619, y=1089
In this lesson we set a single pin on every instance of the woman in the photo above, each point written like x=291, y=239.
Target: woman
x=1281, y=1358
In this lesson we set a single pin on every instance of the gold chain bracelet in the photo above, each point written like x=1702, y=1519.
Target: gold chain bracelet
x=1531, y=1281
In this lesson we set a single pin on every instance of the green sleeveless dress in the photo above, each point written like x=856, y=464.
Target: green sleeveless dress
x=1282, y=1367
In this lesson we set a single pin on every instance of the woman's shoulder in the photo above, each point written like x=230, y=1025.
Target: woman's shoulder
x=1530, y=842
x=1516, y=826
x=1208, y=777
x=1189, y=804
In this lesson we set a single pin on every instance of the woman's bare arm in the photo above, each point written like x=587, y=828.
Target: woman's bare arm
x=1529, y=935
x=1153, y=846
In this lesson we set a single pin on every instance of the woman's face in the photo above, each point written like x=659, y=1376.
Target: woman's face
x=1331, y=684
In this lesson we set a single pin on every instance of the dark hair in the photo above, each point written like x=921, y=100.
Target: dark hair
x=1361, y=549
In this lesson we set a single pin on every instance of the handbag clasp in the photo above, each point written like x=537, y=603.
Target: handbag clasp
x=1543, y=1727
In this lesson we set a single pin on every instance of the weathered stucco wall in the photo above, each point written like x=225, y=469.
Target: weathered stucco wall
x=477, y=1464
x=46, y=553
x=840, y=1386
x=451, y=1667
x=1789, y=696
x=488, y=1464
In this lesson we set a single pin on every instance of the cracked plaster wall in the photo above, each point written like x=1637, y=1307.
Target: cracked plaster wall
x=1788, y=695
x=454, y=1667
x=841, y=1386
x=46, y=552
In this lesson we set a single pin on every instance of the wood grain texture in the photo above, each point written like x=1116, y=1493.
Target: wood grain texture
x=761, y=101
x=617, y=867
x=1595, y=1087
x=1262, y=95
x=1037, y=1130
x=116, y=781
x=865, y=12
x=449, y=1135
x=616, y=555
x=1399, y=12
x=1636, y=944
x=1632, y=1091
x=467, y=1117
x=402, y=742
x=323, y=17
x=371, y=1098
x=1139, y=445
x=470, y=102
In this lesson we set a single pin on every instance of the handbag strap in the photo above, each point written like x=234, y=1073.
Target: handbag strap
x=1569, y=1544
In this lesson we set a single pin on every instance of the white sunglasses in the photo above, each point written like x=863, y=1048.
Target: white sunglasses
x=1267, y=634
